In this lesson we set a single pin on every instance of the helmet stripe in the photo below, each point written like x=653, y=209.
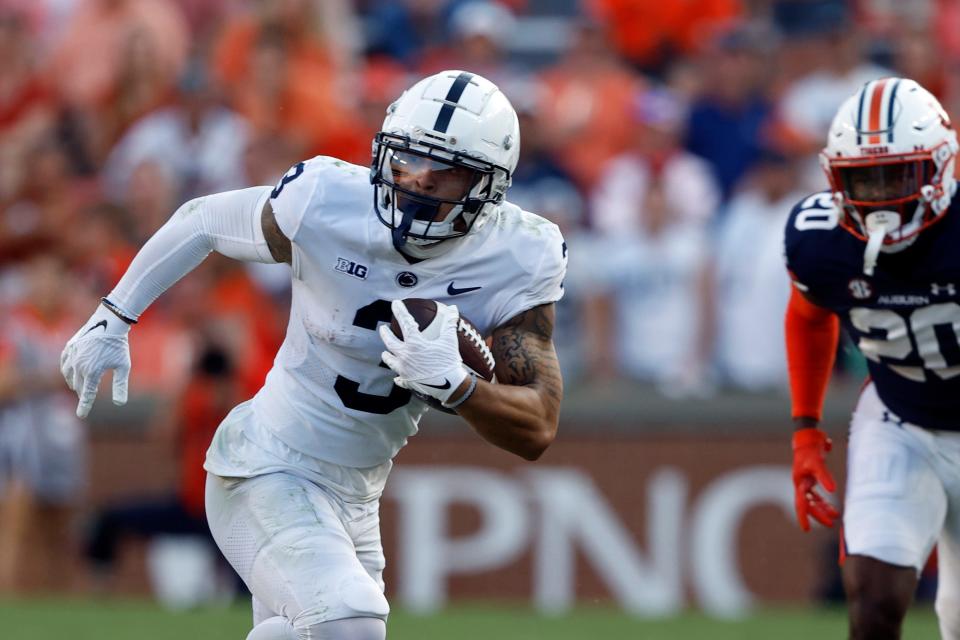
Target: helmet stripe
x=876, y=102
x=893, y=101
x=450, y=102
x=863, y=92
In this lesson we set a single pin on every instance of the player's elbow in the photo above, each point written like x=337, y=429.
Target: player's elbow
x=538, y=442
x=532, y=453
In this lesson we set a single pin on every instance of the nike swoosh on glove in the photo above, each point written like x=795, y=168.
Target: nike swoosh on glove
x=810, y=446
x=427, y=362
x=99, y=346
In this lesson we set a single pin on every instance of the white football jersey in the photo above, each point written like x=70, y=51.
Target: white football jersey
x=328, y=396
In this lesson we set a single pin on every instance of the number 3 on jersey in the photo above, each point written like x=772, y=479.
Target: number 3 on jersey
x=348, y=391
x=290, y=176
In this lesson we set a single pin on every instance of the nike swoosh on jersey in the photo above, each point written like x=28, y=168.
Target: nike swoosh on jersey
x=445, y=385
x=102, y=323
x=453, y=291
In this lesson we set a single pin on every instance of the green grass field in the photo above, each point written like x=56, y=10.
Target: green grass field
x=89, y=620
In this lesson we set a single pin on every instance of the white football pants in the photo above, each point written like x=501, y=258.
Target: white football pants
x=903, y=497
x=304, y=553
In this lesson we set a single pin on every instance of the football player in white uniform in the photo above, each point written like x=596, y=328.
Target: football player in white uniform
x=295, y=473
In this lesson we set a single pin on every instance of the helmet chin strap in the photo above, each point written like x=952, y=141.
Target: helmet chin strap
x=399, y=233
x=877, y=224
x=416, y=247
x=410, y=212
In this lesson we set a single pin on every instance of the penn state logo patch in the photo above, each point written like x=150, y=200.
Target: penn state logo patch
x=860, y=289
x=407, y=279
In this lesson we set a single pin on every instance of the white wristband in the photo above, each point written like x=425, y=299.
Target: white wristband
x=466, y=394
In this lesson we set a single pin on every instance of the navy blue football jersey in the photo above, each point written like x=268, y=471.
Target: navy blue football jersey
x=905, y=318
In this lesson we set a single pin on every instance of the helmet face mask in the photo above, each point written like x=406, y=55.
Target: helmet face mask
x=883, y=184
x=443, y=159
x=453, y=189
x=895, y=184
x=891, y=149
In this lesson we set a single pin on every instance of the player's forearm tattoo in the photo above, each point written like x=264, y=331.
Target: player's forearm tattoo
x=524, y=353
x=278, y=243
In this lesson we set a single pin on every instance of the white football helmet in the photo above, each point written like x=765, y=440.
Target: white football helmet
x=459, y=126
x=890, y=159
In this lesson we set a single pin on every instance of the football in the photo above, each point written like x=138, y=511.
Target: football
x=473, y=349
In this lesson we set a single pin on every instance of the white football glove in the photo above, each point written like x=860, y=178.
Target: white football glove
x=427, y=362
x=100, y=345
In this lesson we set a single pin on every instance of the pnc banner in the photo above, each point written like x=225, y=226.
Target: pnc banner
x=655, y=524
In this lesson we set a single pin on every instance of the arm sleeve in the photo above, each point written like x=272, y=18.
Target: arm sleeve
x=228, y=223
x=812, y=334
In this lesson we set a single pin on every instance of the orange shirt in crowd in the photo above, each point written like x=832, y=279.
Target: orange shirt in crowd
x=233, y=52
x=236, y=299
x=291, y=89
x=160, y=352
x=588, y=117
x=642, y=30
x=88, y=59
x=204, y=404
x=22, y=102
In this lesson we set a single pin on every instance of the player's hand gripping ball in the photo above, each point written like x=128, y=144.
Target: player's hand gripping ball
x=432, y=349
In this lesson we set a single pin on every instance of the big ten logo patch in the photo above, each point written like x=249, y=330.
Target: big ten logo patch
x=351, y=268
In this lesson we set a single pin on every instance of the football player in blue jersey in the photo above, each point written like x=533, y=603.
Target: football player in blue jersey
x=878, y=253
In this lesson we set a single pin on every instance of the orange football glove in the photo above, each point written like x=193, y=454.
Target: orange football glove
x=809, y=469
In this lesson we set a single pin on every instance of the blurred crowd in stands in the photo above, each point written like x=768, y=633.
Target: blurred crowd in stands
x=669, y=140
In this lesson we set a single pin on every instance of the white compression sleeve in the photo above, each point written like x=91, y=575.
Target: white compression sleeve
x=228, y=223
